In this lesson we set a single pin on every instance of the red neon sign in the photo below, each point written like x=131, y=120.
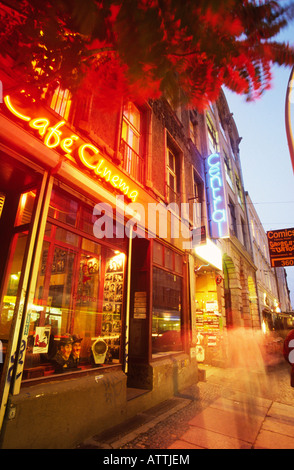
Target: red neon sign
x=89, y=154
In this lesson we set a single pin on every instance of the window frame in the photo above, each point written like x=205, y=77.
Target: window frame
x=173, y=271
x=198, y=192
x=61, y=102
x=171, y=173
x=133, y=161
x=213, y=139
x=233, y=218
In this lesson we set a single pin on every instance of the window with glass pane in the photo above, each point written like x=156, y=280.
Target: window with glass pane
x=228, y=170
x=131, y=145
x=239, y=189
x=212, y=135
x=168, y=259
x=171, y=177
x=198, y=193
x=79, y=295
x=10, y=290
x=63, y=207
x=61, y=102
x=166, y=315
x=25, y=208
x=158, y=253
x=233, y=225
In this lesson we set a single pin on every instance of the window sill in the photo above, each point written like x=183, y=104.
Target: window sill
x=74, y=374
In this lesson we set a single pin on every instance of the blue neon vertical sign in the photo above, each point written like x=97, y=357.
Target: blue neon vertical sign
x=219, y=226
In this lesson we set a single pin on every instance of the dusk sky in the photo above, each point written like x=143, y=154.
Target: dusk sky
x=265, y=158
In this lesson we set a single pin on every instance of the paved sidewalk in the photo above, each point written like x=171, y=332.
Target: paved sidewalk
x=229, y=410
x=240, y=422
x=245, y=419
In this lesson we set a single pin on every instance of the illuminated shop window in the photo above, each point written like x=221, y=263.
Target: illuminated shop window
x=131, y=142
x=79, y=294
x=167, y=300
x=61, y=102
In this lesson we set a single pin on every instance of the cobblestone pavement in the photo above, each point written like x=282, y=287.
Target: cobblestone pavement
x=273, y=385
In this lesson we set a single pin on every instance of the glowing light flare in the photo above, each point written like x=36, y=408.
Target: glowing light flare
x=23, y=201
x=119, y=258
x=210, y=253
x=263, y=327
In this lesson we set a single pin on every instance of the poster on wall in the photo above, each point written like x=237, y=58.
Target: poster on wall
x=41, y=339
x=112, y=305
x=140, y=305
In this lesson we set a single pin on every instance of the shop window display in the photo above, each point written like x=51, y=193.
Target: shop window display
x=79, y=293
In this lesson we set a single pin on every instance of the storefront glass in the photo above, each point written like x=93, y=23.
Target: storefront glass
x=167, y=301
x=78, y=296
x=18, y=247
x=15, y=236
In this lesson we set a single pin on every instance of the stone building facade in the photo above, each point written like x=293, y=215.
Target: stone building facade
x=91, y=204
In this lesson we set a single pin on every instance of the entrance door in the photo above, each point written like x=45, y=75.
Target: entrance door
x=139, y=338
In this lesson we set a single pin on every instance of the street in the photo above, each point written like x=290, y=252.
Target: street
x=230, y=409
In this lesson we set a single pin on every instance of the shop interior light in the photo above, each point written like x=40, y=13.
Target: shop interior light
x=263, y=326
x=23, y=200
x=210, y=253
x=119, y=256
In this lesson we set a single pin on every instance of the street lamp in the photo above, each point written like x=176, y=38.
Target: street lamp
x=288, y=116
